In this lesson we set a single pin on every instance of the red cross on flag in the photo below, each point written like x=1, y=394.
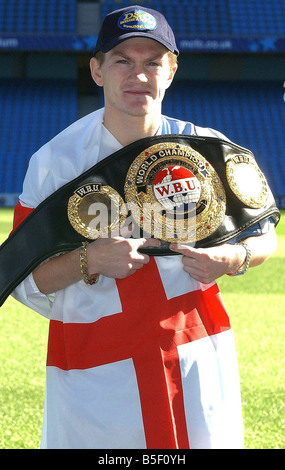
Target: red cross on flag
x=149, y=331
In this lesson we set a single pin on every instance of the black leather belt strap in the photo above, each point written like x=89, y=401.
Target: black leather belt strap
x=48, y=231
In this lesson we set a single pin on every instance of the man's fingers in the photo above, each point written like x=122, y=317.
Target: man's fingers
x=183, y=249
x=126, y=231
x=146, y=242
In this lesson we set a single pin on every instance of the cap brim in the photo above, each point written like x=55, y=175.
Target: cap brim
x=113, y=43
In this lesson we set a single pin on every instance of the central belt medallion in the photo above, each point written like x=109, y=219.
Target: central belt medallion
x=174, y=194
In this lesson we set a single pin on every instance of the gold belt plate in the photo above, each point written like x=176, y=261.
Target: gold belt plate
x=174, y=193
x=96, y=210
x=247, y=181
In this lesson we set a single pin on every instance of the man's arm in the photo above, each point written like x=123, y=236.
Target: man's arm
x=113, y=257
x=207, y=264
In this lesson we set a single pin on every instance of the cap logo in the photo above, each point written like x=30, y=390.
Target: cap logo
x=138, y=20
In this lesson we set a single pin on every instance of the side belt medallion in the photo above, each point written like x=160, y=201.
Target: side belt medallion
x=96, y=210
x=247, y=181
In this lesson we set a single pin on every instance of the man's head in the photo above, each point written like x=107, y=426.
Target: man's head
x=135, y=21
x=134, y=61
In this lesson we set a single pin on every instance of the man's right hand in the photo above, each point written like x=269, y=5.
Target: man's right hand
x=118, y=257
x=115, y=257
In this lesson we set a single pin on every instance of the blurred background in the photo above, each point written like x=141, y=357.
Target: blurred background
x=231, y=75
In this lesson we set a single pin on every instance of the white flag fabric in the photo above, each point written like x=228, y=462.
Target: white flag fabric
x=144, y=362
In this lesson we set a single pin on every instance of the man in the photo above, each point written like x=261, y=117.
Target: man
x=143, y=355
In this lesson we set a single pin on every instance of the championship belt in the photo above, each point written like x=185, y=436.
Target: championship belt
x=202, y=191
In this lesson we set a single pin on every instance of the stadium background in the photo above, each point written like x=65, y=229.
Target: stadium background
x=231, y=75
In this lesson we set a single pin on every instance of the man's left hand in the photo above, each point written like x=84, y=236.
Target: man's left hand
x=207, y=264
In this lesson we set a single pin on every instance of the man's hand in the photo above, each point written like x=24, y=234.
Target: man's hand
x=118, y=257
x=115, y=257
x=207, y=264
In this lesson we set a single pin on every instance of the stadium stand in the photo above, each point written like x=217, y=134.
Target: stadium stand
x=216, y=17
x=196, y=17
x=249, y=112
x=31, y=113
x=35, y=17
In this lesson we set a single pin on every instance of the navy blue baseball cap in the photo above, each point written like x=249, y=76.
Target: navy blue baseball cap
x=135, y=21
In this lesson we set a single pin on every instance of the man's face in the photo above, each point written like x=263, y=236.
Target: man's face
x=135, y=75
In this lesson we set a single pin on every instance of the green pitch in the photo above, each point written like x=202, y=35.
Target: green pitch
x=255, y=303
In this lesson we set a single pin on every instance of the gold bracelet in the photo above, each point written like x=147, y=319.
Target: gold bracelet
x=88, y=279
